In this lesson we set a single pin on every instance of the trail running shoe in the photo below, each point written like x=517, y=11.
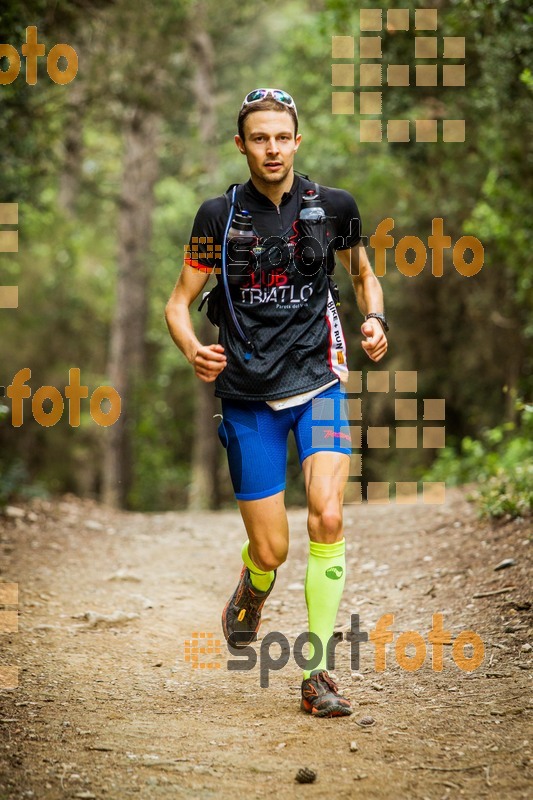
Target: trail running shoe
x=320, y=696
x=241, y=617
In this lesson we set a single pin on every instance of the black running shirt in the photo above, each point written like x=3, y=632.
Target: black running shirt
x=291, y=318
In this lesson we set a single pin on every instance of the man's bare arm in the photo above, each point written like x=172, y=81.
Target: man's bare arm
x=369, y=296
x=208, y=361
x=367, y=287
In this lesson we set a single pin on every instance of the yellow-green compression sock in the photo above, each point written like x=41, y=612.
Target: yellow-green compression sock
x=260, y=579
x=324, y=584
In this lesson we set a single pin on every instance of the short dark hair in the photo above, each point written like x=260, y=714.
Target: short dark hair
x=268, y=104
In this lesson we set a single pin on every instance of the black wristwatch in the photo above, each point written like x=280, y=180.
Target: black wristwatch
x=381, y=318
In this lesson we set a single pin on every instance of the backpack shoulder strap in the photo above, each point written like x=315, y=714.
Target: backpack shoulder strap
x=227, y=195
x=309, y=184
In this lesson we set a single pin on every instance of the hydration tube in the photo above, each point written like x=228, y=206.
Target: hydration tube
x=240, y=331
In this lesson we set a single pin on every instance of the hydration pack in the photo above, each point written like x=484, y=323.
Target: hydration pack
x=302, y=245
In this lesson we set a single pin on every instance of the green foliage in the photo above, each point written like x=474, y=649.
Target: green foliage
x=501, y=463
x=13, y=478
x=468, y=339
x=507, y=494
x=16, y=484
x=163, y=413
x=31, y=116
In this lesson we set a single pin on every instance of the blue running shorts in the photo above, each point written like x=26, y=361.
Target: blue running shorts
x=255, y=437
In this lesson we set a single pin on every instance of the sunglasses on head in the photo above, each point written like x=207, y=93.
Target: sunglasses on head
x=277, y=94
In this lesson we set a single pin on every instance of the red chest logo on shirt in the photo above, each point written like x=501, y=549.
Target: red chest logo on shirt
x=258, y=279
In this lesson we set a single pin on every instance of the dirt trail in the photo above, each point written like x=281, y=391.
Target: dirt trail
x=112, y=709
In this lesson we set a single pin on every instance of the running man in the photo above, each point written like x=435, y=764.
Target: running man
x=278, y=366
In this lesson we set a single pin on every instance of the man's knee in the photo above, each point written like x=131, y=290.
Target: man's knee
x=326, y=525
x=268, y=557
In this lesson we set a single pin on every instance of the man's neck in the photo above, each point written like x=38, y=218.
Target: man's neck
x=274, y=191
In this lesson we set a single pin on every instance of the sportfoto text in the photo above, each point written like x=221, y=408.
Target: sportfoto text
x=309, y=250
x=380, y=636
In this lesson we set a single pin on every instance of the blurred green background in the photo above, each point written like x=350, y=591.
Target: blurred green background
x=108, y=172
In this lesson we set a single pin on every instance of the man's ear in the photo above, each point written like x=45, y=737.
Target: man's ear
x=240, y=144
x=297, y=141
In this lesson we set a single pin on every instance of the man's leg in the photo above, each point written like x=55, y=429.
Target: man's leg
x=323, y=440
x=325, y=479
x=266, y=524
x=255, y=437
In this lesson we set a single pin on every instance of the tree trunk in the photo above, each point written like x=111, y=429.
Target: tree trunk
x=204, y=485
x=70, y=177
x=127, y=349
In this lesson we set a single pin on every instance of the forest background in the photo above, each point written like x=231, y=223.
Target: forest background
x=108, y=171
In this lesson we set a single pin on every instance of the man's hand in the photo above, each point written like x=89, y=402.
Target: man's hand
x=208, y=362
x=376, y=341
x=369, y=297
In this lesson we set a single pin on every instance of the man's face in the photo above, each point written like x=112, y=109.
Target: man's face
x=269, y=144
